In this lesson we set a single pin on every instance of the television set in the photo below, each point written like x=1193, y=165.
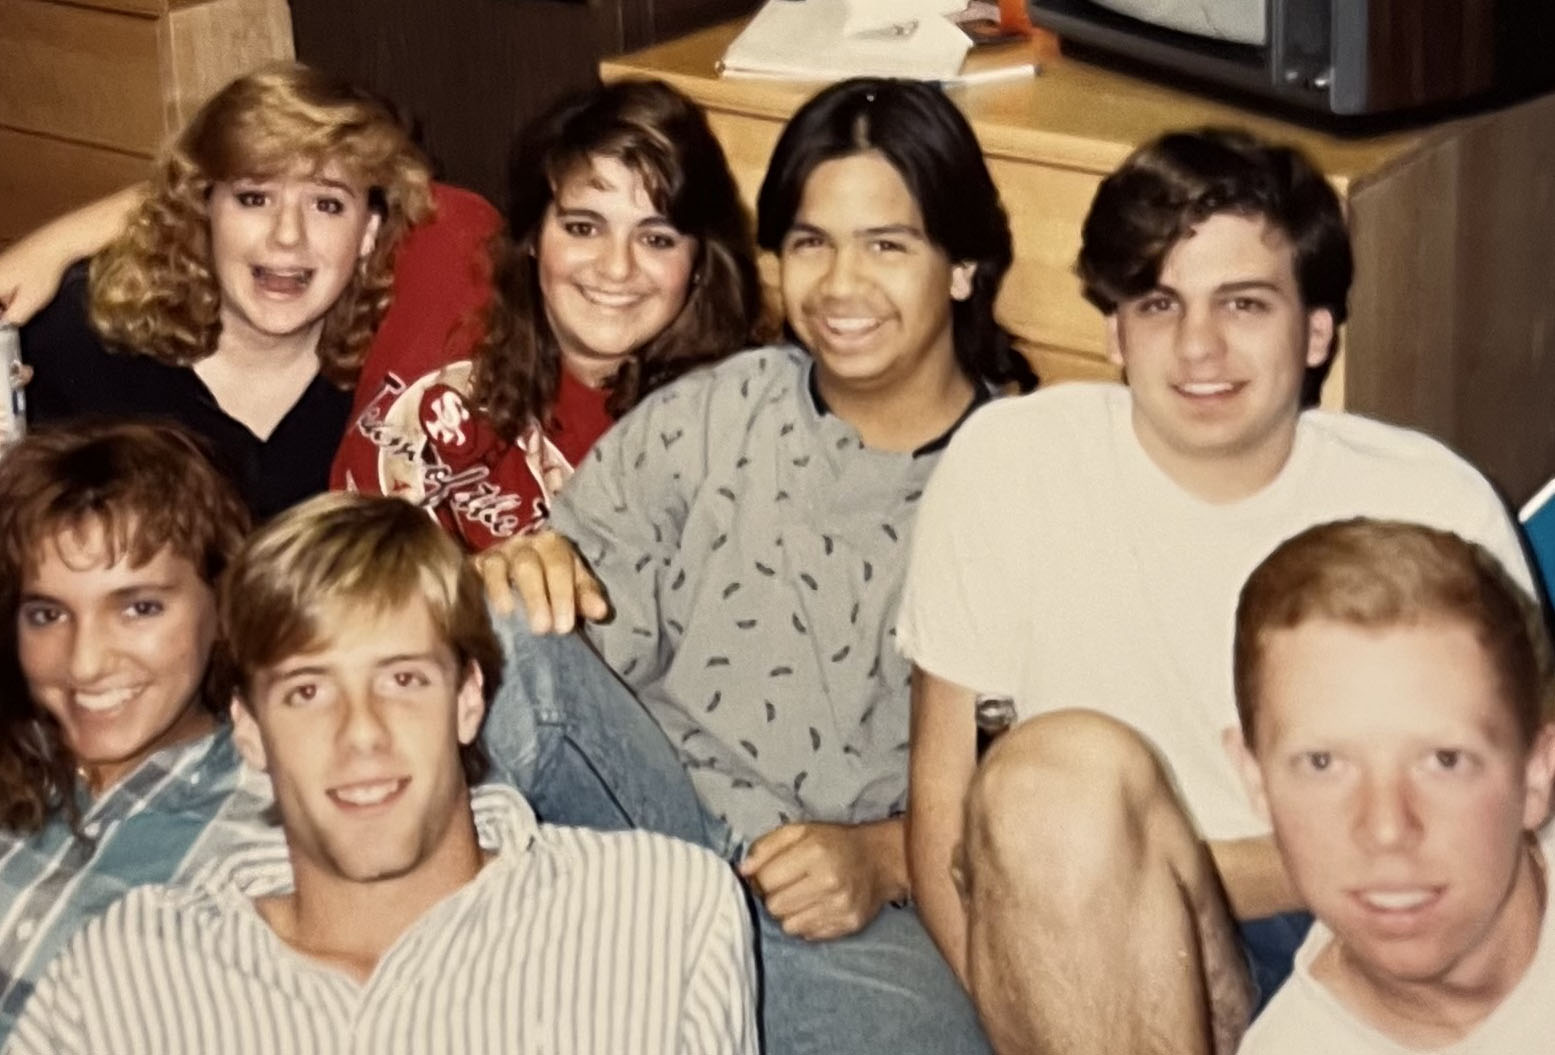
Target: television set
x=1344, y=58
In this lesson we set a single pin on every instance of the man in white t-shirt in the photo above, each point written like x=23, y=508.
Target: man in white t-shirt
x=1079, y=552
x=1393, y=688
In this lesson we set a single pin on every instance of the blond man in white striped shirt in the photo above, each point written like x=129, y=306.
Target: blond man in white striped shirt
x=399, y=912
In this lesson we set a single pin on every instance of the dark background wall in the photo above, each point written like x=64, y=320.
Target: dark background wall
x=471, y=72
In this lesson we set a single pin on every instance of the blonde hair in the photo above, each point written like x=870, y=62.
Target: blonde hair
x=343, y=552
x=154, y=290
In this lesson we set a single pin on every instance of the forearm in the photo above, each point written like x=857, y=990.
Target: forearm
x=1254, y=877
x=931, y=854
x=87, y=230
x=885, y=845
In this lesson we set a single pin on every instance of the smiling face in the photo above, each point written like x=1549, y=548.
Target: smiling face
x=361, y=739
x=284, y=249
x=1216, y=354
x=1400, y=792
x=866, y=291
x=613, y=271
x=117, y=654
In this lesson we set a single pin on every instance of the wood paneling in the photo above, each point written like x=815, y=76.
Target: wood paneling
x=43, y=177
x=473, y=72
x=81, y=74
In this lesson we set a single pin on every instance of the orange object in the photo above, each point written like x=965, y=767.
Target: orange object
x=1013, y=16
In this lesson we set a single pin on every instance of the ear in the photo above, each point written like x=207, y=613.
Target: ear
x=1540, y=775
x=961, y=276
x=1320, y=336
x=1247, y=768
x=1114, y=342
x=369, y=236
x=245, y=735
x=470, y=705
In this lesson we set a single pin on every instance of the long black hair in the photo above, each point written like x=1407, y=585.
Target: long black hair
x=929, y=143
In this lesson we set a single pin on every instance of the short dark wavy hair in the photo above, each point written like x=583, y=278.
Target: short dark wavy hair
x=932, y=147
x=1170, y=185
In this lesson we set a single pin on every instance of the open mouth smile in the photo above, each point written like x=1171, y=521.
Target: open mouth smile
x=368, y=794
x=601, y=298
x=105, y=702
x=282, y=281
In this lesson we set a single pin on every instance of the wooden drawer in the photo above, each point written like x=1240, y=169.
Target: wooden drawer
x=1041, y=299
x=44, y=177
x=81, y=74
x=748, y=143
x=1063, y=364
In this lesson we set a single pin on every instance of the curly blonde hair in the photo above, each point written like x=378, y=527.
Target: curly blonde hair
x=154, y=290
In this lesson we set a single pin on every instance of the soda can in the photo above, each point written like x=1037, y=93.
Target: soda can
x=13, y=400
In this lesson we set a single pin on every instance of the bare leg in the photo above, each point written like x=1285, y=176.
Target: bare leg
x=1096, y=922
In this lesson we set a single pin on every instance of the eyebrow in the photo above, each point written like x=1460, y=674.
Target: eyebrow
x=1248, y=285
x=313, y=669
x=123, y=593
x=906, y=229
x=334, y=184
x=653, y=220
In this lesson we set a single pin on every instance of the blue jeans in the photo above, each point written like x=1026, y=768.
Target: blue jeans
x=570, y=735
x=1269, y=945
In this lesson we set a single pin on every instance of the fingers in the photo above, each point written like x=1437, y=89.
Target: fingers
x=590, y=593
x=821, y=922
x=769, y=846
x=494, y=573
x=544, y=574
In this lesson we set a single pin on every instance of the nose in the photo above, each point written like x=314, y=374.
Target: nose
x=842, y=271
x=1198, y=336
x=362, y=725
x=90, y=649
x=286, y=230
x=616, y=262
x=1387, y=817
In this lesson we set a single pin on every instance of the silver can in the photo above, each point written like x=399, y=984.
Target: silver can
x=13, y=400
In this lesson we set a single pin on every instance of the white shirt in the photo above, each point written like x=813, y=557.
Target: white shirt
x=1304, y=1017
x=568, y=941
x=1055, y=563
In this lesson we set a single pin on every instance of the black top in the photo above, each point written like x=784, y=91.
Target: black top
x=75, y=376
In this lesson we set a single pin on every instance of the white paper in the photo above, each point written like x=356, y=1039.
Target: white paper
x=805, y=39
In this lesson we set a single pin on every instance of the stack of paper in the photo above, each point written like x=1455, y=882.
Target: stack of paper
x=833, y=39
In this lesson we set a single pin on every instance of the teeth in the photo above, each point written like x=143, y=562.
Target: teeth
x=1206, y=388
x=609, y=300
x=850, y=327
x=104, y=701
x=367, y=794
x=1396, y=900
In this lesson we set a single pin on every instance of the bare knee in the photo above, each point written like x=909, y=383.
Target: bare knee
x=1062, y=802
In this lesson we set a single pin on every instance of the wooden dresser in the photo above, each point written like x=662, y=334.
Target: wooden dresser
x=1453, y=312
x=90, y=90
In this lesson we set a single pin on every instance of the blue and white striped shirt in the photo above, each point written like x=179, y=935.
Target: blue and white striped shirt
x=162, y=823
x=568, y=942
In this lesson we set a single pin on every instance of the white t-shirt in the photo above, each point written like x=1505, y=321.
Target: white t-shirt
x=1055, y=563
x=1304, y=1017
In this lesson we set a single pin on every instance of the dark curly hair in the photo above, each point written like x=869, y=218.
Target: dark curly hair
x=661, y=135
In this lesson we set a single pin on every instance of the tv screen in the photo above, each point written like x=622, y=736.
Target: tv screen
x=1234, y=21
